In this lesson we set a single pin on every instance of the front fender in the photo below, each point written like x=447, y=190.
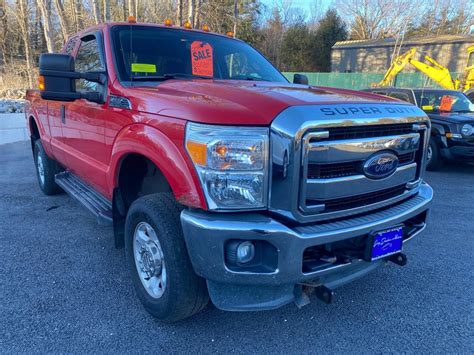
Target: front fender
x=166, y=155
x=438, y=133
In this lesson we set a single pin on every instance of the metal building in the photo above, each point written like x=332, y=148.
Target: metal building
x=375, y=56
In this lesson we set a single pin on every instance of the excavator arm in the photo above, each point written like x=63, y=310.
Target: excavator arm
x=436, y=72
x=396, y=67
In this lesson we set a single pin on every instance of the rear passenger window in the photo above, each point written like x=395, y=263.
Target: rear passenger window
x=400, y=95
x=70, y=45
x=88, y=60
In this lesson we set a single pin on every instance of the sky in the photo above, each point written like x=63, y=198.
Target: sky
x=306, y=5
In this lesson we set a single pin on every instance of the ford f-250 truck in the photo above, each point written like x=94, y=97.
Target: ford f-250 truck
x=220, y=178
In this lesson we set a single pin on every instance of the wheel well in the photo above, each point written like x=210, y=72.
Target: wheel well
x=139, y=176
x=34, y=132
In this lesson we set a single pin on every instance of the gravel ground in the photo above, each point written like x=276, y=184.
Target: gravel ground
x=64, y=288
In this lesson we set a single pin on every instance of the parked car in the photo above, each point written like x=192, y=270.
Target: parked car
x=452, y=121
x=220, y=177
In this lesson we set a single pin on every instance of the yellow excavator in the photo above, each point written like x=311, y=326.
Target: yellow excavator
x=435, y=71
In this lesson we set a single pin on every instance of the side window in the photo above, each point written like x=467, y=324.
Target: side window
x=88, y=60
x=400, y=95
x=470, y=61
x=70, y=46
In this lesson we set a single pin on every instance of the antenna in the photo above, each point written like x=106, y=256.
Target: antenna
x=131, y=50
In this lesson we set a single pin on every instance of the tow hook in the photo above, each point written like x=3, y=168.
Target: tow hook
x=399, y=259
x=303, y=292
x=325, y=294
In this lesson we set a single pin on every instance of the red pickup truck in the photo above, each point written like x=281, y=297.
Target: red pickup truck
x=220, y=178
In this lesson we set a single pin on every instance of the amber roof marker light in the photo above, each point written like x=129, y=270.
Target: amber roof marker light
x=168, y=22
x=230, y=34
x=206, y=28
x=187, y=25
x=131, y=19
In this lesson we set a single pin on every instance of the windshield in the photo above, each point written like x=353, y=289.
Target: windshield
x=155, y=54
x=444, y=101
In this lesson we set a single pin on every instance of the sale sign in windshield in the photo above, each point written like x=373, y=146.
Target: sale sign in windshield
x=201, y=59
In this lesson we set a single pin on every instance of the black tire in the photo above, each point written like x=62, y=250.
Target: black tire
x=184, y=293
x=436, y=161
x=50, y=168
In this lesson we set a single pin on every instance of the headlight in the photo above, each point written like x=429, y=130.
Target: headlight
x=467, y=130
x=232, y=163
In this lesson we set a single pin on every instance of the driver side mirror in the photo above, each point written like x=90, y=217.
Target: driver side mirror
x=300, y=79
x=58, y=79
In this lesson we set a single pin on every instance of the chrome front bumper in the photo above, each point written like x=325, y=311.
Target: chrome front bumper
x=207, y=234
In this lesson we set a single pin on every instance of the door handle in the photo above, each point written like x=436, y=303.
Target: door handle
x=63, y=114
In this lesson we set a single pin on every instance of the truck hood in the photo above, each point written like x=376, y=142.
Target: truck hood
x=454, y=117
x=235, y=102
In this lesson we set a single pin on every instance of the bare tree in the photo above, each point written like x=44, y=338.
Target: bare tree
x=96, y=11
x=23, y=14
x=63, y=20
x=179, y=13
x=191, y=8
x=106, y=10
x=373, y=19
x=3, y=30
x=236, y=17
x=45, y=9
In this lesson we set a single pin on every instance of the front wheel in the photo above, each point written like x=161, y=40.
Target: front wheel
x=46, y=168
x=433, y=158
x=157, y=258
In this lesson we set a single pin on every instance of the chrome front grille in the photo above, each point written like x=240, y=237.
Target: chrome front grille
x=339, y=133
x=320, y=157
x=333, y=170
x=333, y=179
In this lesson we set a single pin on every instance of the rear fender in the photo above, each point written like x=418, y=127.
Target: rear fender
x=158, y=148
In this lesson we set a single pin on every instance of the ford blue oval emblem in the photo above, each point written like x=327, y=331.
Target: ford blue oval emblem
x=380, y=165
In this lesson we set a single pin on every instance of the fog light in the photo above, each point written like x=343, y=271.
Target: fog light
x=245, y=252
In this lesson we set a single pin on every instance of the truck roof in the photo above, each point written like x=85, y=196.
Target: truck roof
x=108, y=25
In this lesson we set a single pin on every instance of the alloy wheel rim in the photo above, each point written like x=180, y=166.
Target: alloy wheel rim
x=40, y=166
x=149, y=260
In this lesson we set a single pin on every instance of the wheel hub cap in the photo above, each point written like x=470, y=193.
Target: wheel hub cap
x=149, y=260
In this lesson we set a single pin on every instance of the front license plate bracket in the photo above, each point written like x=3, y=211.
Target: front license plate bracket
x=384, y=243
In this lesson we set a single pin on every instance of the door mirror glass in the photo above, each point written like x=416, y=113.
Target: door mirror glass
x=300, y=79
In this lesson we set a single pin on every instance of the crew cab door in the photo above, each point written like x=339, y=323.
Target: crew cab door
x=84, y=123
x=57, y=114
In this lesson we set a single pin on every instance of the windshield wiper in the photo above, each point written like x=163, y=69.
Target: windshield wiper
x=251, y=78
x=165, y=77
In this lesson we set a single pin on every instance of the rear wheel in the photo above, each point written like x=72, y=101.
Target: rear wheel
x=157, y=258
x=434, y=160
x=46, y=168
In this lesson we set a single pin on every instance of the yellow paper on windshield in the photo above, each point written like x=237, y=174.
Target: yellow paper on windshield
x=427, y=108
x=143, y=68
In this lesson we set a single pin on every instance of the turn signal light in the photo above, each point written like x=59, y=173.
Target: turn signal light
x=206, y=28
x=198, y=152
x=41, y=82
x=131, y=19
x=187, y=25
x=168, y=22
